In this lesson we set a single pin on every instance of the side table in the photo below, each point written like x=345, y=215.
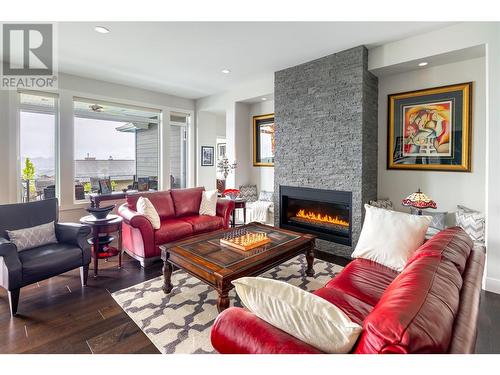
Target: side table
x=239, y=204
x=102, y=238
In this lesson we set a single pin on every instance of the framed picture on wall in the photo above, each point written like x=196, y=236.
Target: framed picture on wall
x=263, y=140
x=431, y=129
x=207, y=156
x=221, y=151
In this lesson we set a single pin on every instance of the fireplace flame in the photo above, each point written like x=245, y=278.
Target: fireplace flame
x=322, y=218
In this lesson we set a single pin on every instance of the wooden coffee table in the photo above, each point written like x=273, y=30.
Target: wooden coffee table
x=203, y=257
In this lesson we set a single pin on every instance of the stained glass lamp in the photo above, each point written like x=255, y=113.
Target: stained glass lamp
x=420, y=201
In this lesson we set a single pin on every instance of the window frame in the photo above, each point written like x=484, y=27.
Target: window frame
x=106, y=117
x=34, y=109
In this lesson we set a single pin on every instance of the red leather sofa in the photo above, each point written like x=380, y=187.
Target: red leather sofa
x=179, y=214
x=430, y=307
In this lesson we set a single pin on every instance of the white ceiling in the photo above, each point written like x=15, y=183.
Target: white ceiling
x=186, y=58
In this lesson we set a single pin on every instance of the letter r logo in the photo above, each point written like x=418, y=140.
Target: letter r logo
x=27, y=49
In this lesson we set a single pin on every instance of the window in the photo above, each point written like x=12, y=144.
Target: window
x=178, y=150
x=116, y=147
x=37, y=141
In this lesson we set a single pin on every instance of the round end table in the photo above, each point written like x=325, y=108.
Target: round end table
x=101, y=238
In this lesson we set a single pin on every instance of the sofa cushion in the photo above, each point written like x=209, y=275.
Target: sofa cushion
x=172, y=230
x=161, y=200
x=187, y=201
x=204, y=223
x=48, y=260
x=364, y=279
x=416, y=313
x=356, y=309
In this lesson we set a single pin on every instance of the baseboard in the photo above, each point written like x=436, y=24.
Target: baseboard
x=492, y=285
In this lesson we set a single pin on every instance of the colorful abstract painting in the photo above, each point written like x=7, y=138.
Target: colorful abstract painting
x=430, y=129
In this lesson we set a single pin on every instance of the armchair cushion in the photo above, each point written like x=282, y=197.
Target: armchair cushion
x=29, y=238
x=76, y=235
x=49, y=260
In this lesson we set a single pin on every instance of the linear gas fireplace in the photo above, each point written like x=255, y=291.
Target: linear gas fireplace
x=324, y=213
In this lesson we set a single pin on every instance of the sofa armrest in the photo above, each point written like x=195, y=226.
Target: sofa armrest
x=11, y=269
x=137, y=220
x=77, y=235
x=224, y=209
x=238, y=331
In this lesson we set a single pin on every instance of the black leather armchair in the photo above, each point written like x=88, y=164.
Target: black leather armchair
x=18, y=269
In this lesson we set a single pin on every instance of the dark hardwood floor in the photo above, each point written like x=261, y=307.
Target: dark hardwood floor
x=59, y=316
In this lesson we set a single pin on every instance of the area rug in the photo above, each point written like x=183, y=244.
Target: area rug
x=181, y=321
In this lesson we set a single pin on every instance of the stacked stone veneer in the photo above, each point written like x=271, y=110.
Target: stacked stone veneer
x=326, y=131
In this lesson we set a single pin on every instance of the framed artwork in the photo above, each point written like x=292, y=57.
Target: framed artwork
x=143, y=183
x=207, y=156
x=263, y=141
x=221, y=151
x=431, y=129
x=153, y=183
x=105, y=186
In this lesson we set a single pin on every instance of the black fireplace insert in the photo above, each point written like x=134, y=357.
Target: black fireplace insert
x=324, y=213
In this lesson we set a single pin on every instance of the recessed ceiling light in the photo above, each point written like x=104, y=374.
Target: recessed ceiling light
x=101, y=29
x=263, y=98
x=423, y=63
x=226, y=71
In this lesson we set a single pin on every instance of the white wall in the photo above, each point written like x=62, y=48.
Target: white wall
x=455, y=38
x=263, y=177
x=221, y=125
x=206, y=136
x=70, y=86
x=237, y=112
x=446, y=188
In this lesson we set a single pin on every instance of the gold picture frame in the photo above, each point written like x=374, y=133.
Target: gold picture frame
x=263, y=152
x=430, y=129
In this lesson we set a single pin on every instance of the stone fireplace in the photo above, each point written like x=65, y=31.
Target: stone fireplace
x=326, y=140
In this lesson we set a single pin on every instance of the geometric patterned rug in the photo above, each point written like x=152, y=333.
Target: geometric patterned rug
x=181, y=321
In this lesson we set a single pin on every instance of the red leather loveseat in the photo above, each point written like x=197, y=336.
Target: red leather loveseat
x=179, y=214
x=430, y=307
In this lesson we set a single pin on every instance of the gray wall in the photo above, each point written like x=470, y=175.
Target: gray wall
x=326, y=131
x=147, y=152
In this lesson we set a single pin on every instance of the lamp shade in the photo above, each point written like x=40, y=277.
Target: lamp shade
x=419, y=200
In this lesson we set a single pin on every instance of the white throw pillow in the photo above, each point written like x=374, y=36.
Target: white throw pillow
x=390, y=237
x=301, y=314
x=29, y=238
x=146, y=208
x=208, y=204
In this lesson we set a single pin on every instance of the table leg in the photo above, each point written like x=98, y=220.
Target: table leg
x=310, y=259
x=233, y=218
x=223, y=300
x=96, y=252
x=167, y=276
x=120, y=248
x=244, y=215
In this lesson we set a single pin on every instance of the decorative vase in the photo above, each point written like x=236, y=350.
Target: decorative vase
x=221, y=186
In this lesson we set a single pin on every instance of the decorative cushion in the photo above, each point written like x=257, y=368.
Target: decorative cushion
x=438, y=218
x=248, y=192
x=383, y=203
x=301, y=314
x=208, y=204
x=266, y=196
x=28, y=238
x=473, y=222
x=146, y=208
x=390, y=237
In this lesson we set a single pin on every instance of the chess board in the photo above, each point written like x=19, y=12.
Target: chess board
x=244, y=240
